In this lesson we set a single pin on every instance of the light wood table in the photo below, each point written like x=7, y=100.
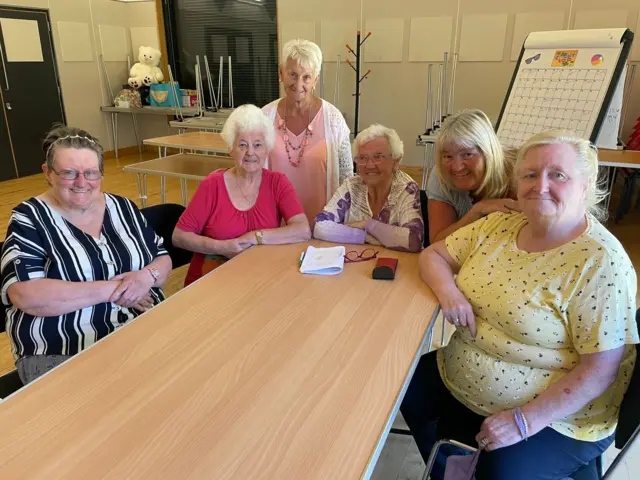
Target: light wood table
x=203, y=142
x=146, y=110
x=184, y=166
x=253, y=372
x=213, y=124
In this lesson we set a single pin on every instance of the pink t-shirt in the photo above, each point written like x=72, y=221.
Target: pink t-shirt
x=310, y=177
x=212, y=214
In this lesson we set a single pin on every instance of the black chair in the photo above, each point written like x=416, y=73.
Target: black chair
x=2, y=307
x=9, y=382
x=628, y=428
x=163, y=219
x=425, y=216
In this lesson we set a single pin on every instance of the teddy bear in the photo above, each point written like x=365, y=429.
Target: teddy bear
x=146, y=71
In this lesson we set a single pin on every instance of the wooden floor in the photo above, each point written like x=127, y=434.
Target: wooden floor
x=400, y=458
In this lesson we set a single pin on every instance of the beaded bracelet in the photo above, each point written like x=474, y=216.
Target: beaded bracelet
x=521, y=422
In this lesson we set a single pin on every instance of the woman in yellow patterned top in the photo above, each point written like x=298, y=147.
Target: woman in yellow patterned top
x=544, y=309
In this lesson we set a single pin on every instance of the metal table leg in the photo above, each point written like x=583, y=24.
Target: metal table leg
x=163, y=189
x=134, y=120
x=145, y=202
x=183, y=191
x=165, y=151
x=114, y=128
x=611, y=180
x=140, y=193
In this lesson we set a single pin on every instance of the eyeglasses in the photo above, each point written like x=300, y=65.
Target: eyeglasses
x=90, y=175
x=375, y=159
x=363, y=256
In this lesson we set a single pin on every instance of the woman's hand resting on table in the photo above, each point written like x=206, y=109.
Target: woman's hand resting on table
x=457, y=310
x=132, y=288
x=235, y=246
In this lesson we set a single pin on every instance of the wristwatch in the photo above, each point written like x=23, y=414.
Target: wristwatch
x=154, y=273
x=259, y=236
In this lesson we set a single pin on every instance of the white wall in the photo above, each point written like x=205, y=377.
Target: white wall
x=82, y=82
x=395, y=92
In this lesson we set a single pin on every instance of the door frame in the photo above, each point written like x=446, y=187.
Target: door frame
x=46, y=12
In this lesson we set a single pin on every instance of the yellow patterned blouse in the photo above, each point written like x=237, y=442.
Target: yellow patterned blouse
x=535, y=314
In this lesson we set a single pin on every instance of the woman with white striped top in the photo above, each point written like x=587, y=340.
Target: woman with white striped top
x=76, y=263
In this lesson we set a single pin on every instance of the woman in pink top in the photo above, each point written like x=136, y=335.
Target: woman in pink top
x=243, y=206
x=312, y=139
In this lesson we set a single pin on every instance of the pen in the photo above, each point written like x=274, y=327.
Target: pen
x=301, y=259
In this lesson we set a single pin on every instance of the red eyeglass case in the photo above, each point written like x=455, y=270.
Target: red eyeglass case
x=385, y=269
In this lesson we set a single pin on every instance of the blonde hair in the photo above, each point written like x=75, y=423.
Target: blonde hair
x=377, y=131
x=306, y=53
x=587, y=155
x=473, y=129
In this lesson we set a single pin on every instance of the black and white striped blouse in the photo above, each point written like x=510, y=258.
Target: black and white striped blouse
x=40, y=243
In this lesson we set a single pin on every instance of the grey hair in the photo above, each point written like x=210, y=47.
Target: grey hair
x=247, y=118
x=376, y=131
x=61, y=136
x=304, y=52
x=587, y=163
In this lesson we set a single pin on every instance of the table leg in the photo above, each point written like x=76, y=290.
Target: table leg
x=611, y=180
x=145, y=201
x=140, y=194
x=134, y=120
x=425, y=167
x=165, y=151
x=163, y=189
x=114, y=128
x=183, y=191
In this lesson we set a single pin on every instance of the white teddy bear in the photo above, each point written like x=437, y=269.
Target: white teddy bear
x=146, y=72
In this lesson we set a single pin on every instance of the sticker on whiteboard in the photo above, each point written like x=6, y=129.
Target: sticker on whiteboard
x=535, y=58
x=564, y=58
x=597, y=60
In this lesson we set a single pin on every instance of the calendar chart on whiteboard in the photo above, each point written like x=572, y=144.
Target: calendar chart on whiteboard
x=567, y=81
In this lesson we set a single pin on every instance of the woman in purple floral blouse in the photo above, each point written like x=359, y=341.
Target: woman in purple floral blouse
x=380, y=205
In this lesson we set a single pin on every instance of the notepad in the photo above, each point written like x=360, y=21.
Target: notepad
x=323, y=261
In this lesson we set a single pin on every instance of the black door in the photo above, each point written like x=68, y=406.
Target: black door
x=7, y=165
x=29, y=83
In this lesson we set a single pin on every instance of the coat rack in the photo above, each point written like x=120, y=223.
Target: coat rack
x=359, y=79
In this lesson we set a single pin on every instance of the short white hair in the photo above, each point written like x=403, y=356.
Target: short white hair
x=586, y=160
x=376, y=131
x=248, y=118
x=305, y=53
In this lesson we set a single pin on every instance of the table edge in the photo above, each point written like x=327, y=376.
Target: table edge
x=373, y=459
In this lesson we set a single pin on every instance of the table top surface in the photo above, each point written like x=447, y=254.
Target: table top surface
x=149, y=110
x=202, y=141
x=183, y=165
x=619, y=158
x=199, y=122
x=255, y=371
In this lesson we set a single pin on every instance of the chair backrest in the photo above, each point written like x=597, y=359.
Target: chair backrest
x=425, y=216
x=3, y=310
x=163, y=219
x=629, y=416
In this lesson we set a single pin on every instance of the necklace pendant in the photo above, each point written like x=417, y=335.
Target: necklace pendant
x=305, y=142
x=285, y=137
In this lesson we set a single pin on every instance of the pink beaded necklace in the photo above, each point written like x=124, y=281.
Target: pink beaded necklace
x=288, y=146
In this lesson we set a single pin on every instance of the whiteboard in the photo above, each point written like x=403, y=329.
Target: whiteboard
x=565, y=80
